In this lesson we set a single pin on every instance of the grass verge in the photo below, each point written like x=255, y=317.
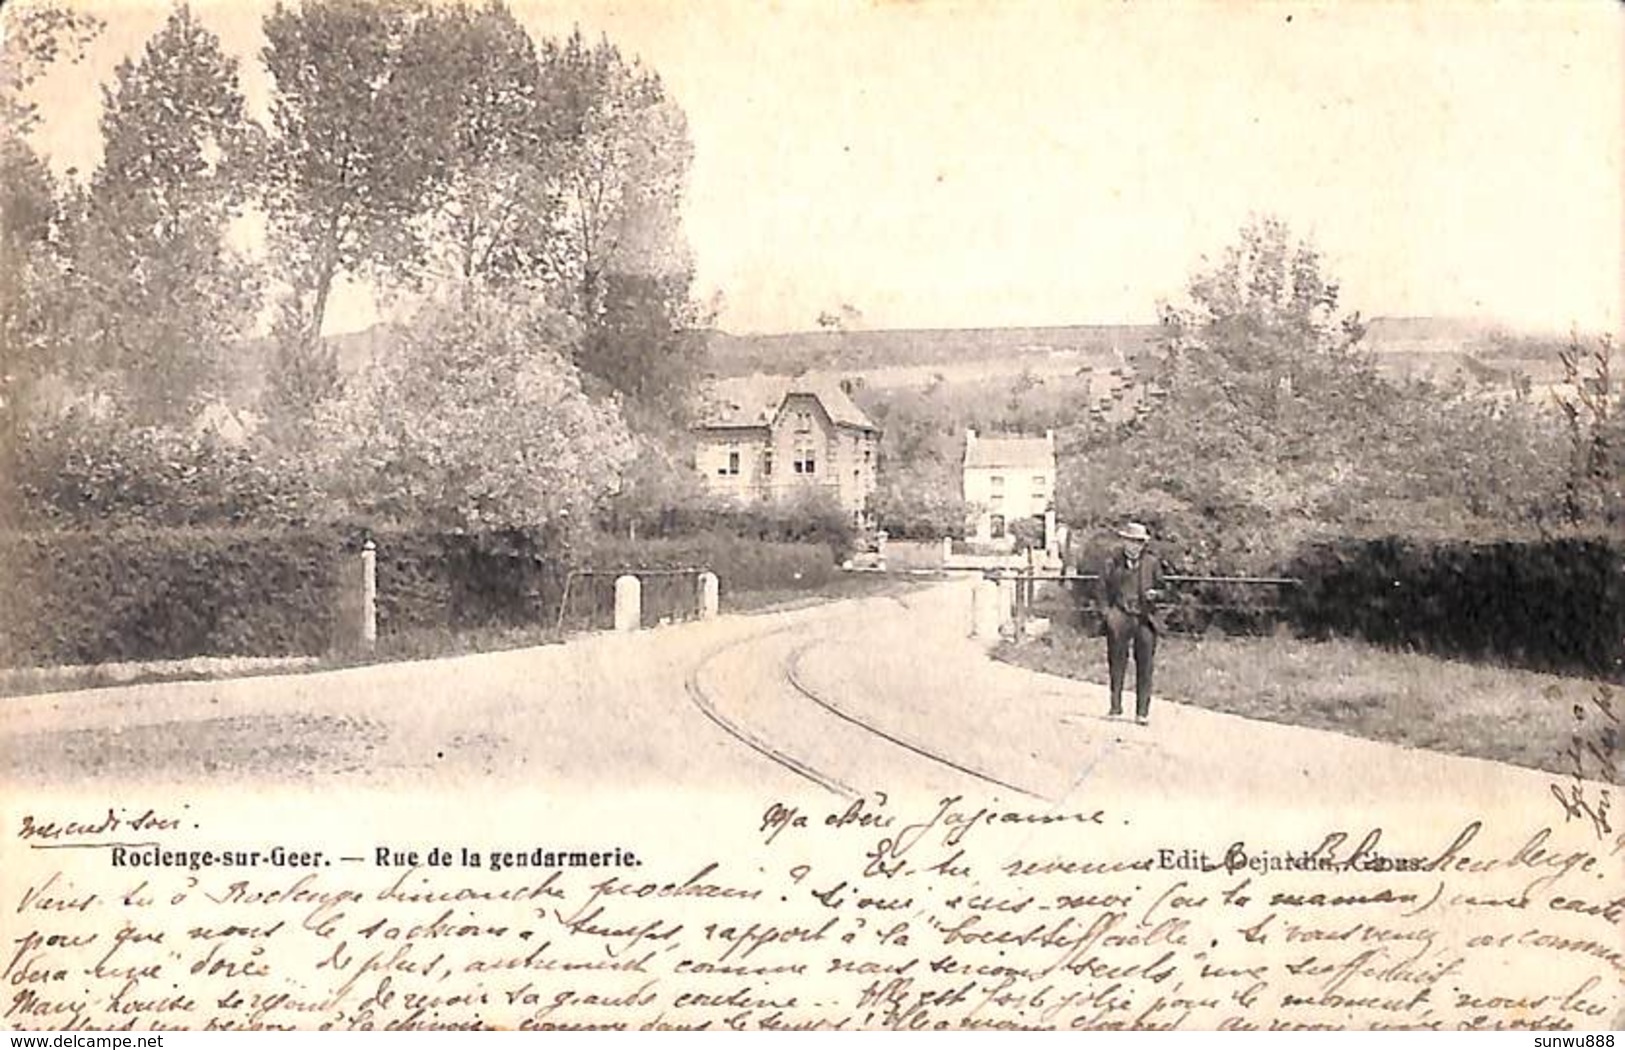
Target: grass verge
x=1484, y=711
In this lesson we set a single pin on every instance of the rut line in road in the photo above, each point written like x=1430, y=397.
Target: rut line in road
x=702, y=700
x=792, y=674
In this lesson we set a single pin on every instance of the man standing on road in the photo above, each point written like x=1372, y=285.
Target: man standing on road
x=1132, y=582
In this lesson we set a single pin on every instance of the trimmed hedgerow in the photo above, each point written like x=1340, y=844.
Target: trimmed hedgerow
x=741, y=563
x=152, y=594
x=1551, y=604
x=458, y=580
x=143, y=594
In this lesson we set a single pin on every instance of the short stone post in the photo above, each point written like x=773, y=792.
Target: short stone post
x=709, y=593
x=369, y=595
x=984, y=613
x=947, y=550
x=628, y=603
x=1007, y=599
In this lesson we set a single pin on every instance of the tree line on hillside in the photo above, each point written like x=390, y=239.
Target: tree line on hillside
x=1263, y=421
x=1277, y=429
x=517, y=198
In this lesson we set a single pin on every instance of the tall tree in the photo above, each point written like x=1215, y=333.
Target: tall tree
x=1263, y=328
x=158, y=292
x=648, y=344
x=30, y=272
x=36, y=37
x=1277, y=426
x=491, y=203
x=32, y=260
x=352, y=155
x=1264, y=401
x=623, y=155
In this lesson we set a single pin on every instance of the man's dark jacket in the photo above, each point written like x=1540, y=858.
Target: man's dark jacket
x=1124, y=588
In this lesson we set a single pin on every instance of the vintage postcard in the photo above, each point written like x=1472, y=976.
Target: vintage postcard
x=936, y=516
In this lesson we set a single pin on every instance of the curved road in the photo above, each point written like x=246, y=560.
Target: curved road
x=714, y=705
x=883, y=694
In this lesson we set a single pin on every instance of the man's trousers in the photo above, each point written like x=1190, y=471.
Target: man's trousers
x=1126, y=632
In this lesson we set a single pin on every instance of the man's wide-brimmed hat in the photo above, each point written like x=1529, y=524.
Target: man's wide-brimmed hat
x=1134, y=531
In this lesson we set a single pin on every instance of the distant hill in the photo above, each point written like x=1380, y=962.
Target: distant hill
x=912, y=357
x=1098, y=345
x=1388, y=330
x=790, y=352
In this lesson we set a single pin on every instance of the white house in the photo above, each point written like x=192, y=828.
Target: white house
x=1009, y=477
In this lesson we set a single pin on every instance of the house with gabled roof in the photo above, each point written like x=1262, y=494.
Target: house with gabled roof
x=766, y=438
x=1009, y=477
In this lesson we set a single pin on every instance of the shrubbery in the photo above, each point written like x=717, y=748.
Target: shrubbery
x=144, y=594
x=460, y=580
x=478, y=420
x=741, y=563
x=86, y=468
x=1274, y=429
x=662, y=509
x=153, y=594
x=1552, y=604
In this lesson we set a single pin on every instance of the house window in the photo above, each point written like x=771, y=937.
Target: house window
x=803, y=422
x=997, y=483
x=732, y=466
x=995, y=526
x=804, y=462
x=767, y=463
x=1039, y=481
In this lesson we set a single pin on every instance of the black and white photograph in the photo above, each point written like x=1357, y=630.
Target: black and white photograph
x=950, y=515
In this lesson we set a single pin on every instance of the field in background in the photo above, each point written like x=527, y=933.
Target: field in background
x=1093, y=361
x=1080, y=359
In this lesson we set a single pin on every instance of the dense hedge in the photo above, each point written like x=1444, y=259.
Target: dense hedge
x=460, y=580
x=1553, y=604
x=741, y=563
x=150, y=594
x=142, y=594
x=813, y=518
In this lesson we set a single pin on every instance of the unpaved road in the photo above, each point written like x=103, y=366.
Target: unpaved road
x=882, y=694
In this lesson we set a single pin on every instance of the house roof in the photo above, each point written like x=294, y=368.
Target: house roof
x=754, y=401
x=1021, y=453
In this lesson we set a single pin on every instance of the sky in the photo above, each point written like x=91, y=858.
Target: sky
x=946, y=163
